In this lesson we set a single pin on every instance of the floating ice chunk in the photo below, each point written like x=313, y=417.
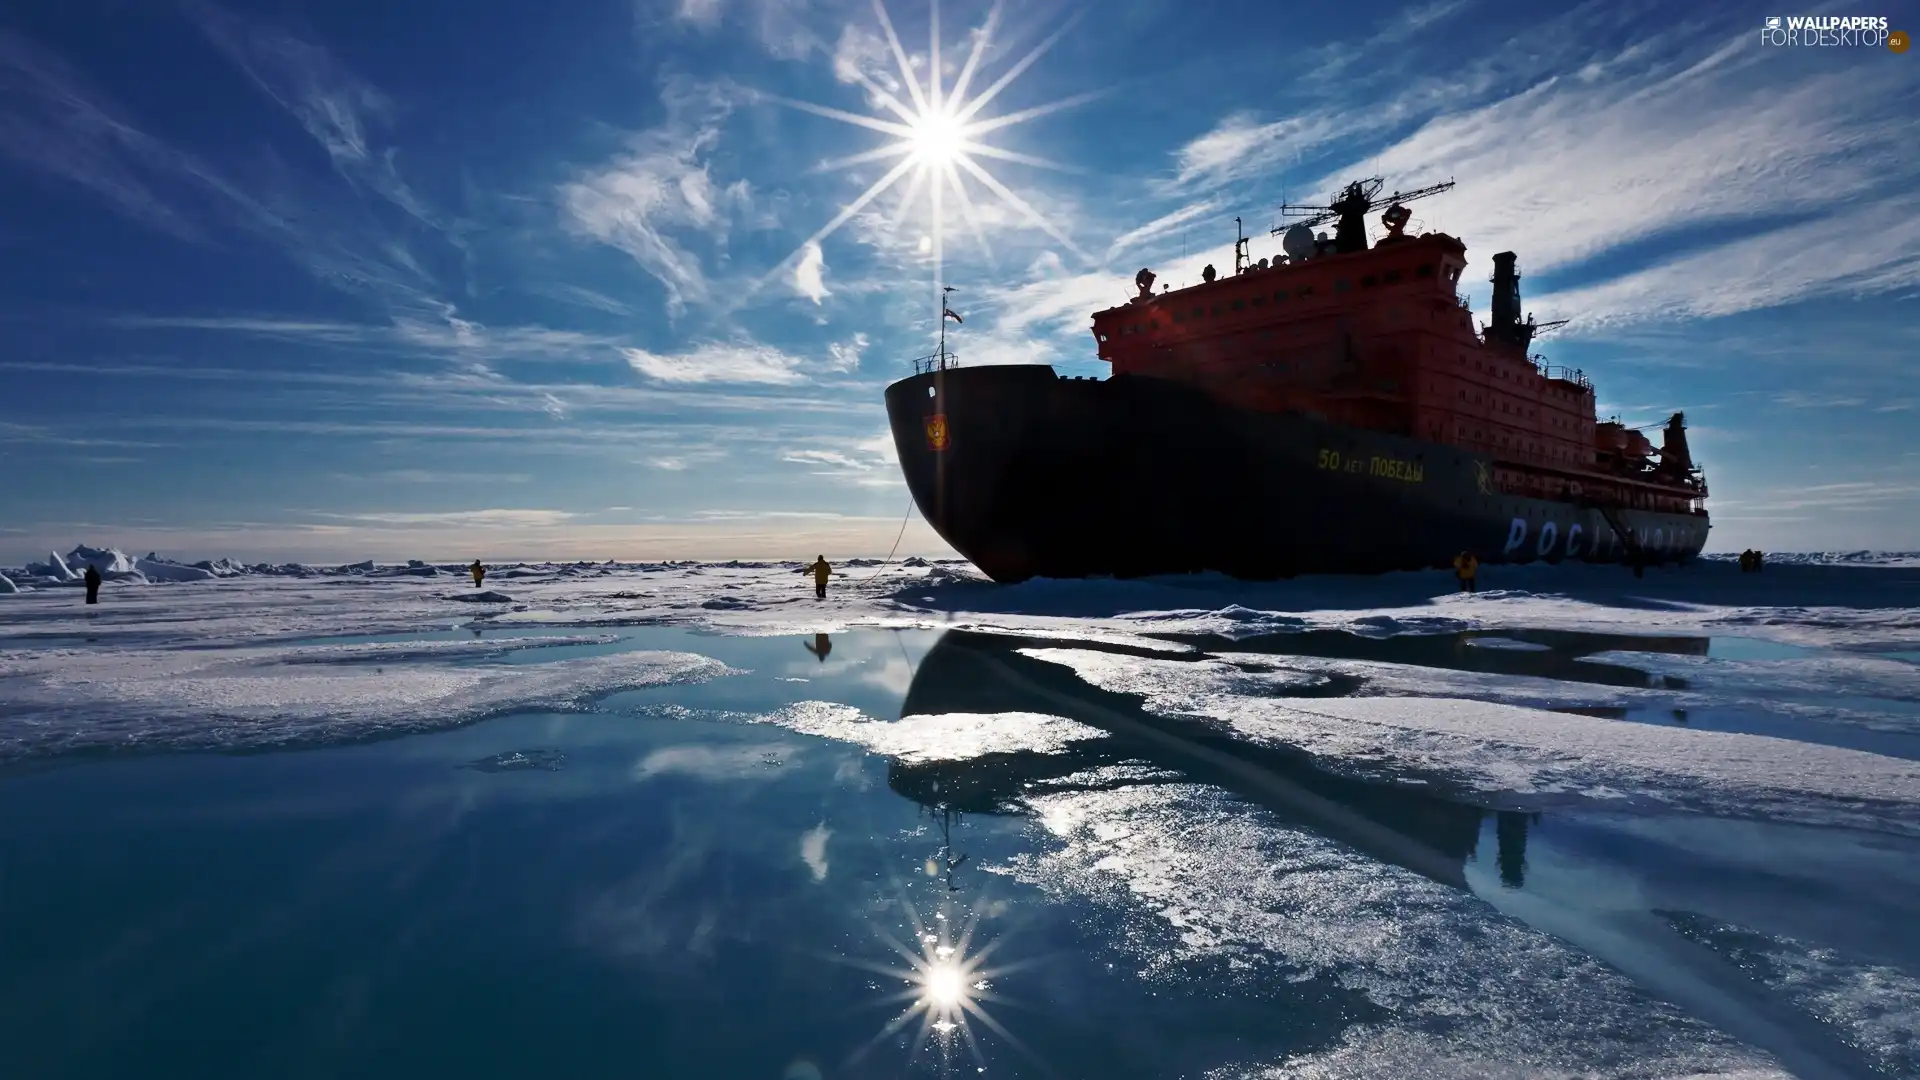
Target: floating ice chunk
x=78, y=700
x=1876, y=1005
x=1505, y=748
x=936, y=737
x=1206, y=889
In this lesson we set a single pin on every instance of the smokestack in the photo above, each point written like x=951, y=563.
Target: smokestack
x=1506, y=293
x=1673, y=448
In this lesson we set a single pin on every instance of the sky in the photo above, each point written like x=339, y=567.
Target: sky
x=602, y=279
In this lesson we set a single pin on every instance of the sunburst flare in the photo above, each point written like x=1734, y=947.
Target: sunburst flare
x=936, y=135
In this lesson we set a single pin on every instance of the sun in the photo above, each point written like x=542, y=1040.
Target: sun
x=938, y=139
x=935, y=140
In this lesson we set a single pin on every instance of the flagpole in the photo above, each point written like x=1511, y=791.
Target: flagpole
x=943, y=326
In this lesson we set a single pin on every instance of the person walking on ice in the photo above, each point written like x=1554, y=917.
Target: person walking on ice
x=479, y=573
x=1465, y=567
x=822, y=570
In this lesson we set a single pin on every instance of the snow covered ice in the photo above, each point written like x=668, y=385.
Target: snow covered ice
x=1713, y=777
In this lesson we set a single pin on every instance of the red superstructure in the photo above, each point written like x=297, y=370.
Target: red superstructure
x=1379, y=338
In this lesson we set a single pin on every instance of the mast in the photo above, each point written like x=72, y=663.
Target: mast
x=1241, y=261
x=940, y=361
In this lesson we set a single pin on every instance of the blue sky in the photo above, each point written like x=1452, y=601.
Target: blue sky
x=349, y=280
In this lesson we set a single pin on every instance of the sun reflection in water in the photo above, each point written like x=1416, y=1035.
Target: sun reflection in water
x=945, y=971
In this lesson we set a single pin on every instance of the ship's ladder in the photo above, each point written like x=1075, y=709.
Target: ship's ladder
x=1611, y=515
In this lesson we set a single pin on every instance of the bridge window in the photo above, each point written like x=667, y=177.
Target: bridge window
x=1216, y=311
x=1425, y=270
x=1196, y=313
x=1393, y=276
x=1179, y=318
x=1369, y=281
x=1340, y=285
x=1305, y=290
x=1279, y=295
x=1239, y=305
x=1258, y=301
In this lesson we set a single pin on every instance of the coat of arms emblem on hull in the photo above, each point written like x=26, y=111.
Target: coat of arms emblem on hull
x=937, y=432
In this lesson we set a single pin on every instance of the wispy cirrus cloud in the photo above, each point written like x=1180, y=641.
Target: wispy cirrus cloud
x=717, y=362
x=779, y=26
x=55, y=123
x=869, y=461
x=653, y=199
x=338, y=108
x=494, y=518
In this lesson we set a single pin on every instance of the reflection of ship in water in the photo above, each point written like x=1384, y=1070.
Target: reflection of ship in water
x=967, y=672
x=1543, y=654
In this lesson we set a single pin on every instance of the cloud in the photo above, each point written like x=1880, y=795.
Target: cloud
x=431, y=476
x=337, y=108
x=1243, y=147
x=35, y=434
x=1641, y=147
x=813, y=850
x=652, y=199
x=871, y=461
x=669, y=464
x=716, y=362
x=704, y=14
x=776, y=24
x=1161, y=226
x=809, y=274
x=498, y=518
x=717, y=764
x=583, y=297
x=766, y=515
x=1866, y=250
x=1852, y=497
x=1797, y=399
x=845, y=355
x=53, y=122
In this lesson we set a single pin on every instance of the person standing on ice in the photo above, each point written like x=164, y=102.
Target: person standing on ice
x=1465, y=566
x=822, y=570
x=479, y=573
x=93, y=584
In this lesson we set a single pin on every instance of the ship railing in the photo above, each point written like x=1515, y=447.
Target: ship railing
x=935, y=362
x=1576, y=376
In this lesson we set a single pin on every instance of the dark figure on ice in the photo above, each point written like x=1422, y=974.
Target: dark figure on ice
x=479, y=573
x=820, y=646
x=1465, y=567
x=93, y=584
x=1749, y=561
x=821, y=571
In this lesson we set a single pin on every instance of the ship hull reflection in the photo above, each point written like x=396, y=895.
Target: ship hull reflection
x=969, y=672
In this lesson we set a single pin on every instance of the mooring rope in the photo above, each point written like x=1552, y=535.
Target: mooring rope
x=896, y=544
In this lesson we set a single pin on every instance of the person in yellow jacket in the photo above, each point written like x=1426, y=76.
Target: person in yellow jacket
x=822, y=570
x=1465, y=566
x=479, y=573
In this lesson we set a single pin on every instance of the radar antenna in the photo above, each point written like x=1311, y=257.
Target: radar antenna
x=1241, y=261
x=1350, y=210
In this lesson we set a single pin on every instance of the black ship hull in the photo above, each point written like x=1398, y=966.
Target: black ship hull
x=1028, y=474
